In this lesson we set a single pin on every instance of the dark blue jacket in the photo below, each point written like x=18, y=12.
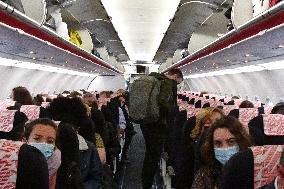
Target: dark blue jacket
x=91, y=167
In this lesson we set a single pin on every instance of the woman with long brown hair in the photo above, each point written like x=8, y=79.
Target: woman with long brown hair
x=225, y=138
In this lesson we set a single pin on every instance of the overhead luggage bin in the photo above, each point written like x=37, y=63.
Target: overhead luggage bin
x=213, y=28
x=104, y=31
x=46, y=42
x=188, y=18
x=87, y=10
x=242, y=53
x=38, y=13
x=249, y=39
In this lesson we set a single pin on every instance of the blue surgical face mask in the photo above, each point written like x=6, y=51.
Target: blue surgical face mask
x=224, y=154
x=46, y=149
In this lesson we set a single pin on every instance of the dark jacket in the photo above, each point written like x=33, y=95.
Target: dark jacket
x=91, y=167
x=108, y=133
x=69, y=173
x=111, y=141
x=238, y=172
x=32, y=169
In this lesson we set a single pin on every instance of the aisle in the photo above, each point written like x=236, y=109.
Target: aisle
x=131, y=173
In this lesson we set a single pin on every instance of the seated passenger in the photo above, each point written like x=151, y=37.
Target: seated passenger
x=108, y=133
x=23, y=97
x=232, y=102
x=38, y=100
x=87, y=131
x=239, y=171
x=225, y=138
x=256, y=129
x=41, y=133
x=245, y=104
x=73, y=112
x=69, y=173
x=32, y=170
x=204, y=119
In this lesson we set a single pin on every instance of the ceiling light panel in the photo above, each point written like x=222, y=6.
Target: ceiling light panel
x=33, y=66
x=141, y=24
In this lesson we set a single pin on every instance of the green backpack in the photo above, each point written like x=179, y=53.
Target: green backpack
x=143, y=101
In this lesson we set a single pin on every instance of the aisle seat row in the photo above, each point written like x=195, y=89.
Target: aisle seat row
x=266, y=158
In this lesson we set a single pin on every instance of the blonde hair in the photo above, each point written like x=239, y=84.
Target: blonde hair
x=121, y=91
x=201, y=117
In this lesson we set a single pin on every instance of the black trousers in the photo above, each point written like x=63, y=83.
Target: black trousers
x=154, y=136
x=129, y=132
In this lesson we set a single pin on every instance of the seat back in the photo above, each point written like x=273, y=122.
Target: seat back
x=9, y=151
x=228, y=108
x=267, y=109
x=6, y=103
x=247, y=114
x=31, y=111
x=273, y=124
x=6, y=120
x=266, y=158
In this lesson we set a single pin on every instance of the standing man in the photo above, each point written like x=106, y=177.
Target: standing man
x=156, y=133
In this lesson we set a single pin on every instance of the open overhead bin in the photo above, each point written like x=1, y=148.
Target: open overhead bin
x=84, y=10
x=188, y=18
x=95, y=19
x=42, y=45
x=214, y=27
x=105, y=32
x=259, y=39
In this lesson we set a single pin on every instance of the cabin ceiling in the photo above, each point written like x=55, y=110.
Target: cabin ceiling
x=141, y=24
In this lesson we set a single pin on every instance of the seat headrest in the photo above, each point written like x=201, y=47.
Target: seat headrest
x=9, y=151
x=5, y=104
x=273, y=124
x=31, y=111
x=6, y=120
x=247, y=114
x=228, y=108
